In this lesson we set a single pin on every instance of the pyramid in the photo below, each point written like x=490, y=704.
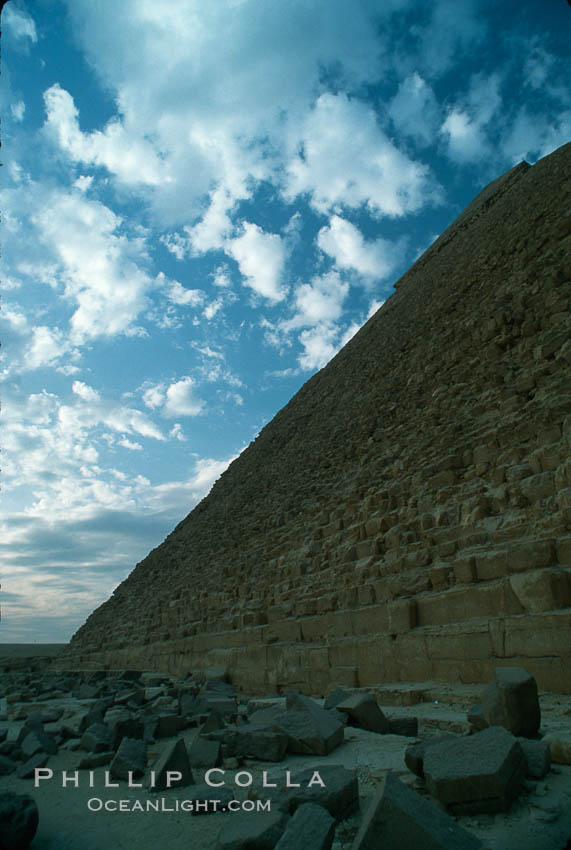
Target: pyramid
x=405, y=517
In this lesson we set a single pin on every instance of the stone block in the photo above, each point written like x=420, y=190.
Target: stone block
x=364, y=712
x=479, y=773
x=334, y=698
x=173, y=761
x=204, y=753
x=38, y=742
x=398, y=819
x=545, y=590
x=130, y=758
x=511, y=701
x=414, y=755
x=311, y=827
x=407, y=726
x=537, y=757
x=27, y=770
x=309, y=728
x=476, y=718
x=559, y=747
x=96, y=739
x=402, y=616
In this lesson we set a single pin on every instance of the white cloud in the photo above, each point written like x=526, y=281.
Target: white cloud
x=102, y=270
x=531, y=138
x=345, y=159
x=133, y=160
x=181, y=400
x=467, y=129
x=215, y=226
x=128, y=444
x=318, y=302
x=465, y=140
x=345, y=243
x=182, y=296
x=18, y=111
x=154, y=396
x=414, y=110
x=18, y=23
x=261, y=259
x=319, y=346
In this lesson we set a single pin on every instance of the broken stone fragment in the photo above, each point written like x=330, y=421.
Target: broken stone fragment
x=407, y=726
x=96, y=739
x=414, y=755
x=364, y=712
x=27, y=770
x=37, y=742
x=311, y=826
x=309, y=728
x=479, y=773
x=511, y=701
x=130, y=758
x=537, y=757
x=169, y=765
x=204, y=753
x=333, y=699
x=398, y=818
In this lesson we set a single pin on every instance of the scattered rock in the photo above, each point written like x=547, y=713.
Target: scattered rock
x=204, y=753
x=96, y=739
x=476, y=718
x=559, y=748
x=18, y=821
x=173, y=760
x=38, y=742
x=511, y=701
x=309, y=728
x=484, y=772
x=414, y=755
x=95, y=760
x=26, y=771
x=364, y=712
x=407, y=726
x=334, y=698
x=130, y=758
x=537, y=757
x=311, y=827
x=398, y=818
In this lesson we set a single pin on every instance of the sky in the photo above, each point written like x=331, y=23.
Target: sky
x=201, y=204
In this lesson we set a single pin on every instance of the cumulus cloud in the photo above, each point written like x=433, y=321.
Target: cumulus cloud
x=345, y=159
x=345, y=243
x=180, y=399
x=261, y=258
x=466, y=128
x=102, y=270
x=133, y=160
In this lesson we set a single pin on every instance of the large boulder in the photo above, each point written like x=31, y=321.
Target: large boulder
x=130, y=759
x=511, y=701
x=174, y=760
x=310, y=729
x=364, y=712
x=484, y=772
x=18, y=821
x=311, y=827
x=398, y=819
x=414, y=755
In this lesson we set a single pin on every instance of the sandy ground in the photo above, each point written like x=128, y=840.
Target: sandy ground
x=539, y=820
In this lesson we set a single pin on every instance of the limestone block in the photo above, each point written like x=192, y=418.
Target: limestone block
x=479, y=773
x=511, y=701
x=311, y=826
x=399, y=818
x=531, y=555
x=490, y=565
x=402, y=615
x=364, y=712
x=559, y=747
x=174, y=759
x=545, y=590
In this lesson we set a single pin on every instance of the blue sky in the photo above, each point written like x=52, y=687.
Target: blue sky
x=202, y=202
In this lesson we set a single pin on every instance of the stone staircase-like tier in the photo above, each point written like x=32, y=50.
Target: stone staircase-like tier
x=406, y=516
